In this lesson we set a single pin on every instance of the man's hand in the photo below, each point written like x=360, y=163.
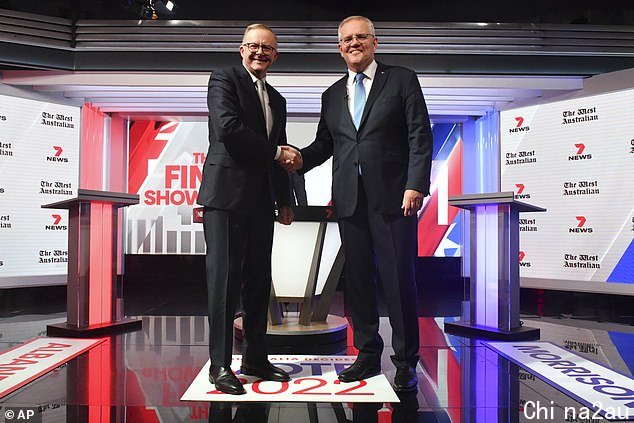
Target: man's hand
x=412, y=202
x=290, y=159
x=286, y=215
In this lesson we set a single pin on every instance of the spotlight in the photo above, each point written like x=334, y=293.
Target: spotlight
x=148, y=11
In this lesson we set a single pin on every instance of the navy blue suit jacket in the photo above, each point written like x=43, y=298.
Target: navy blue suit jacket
x=240, y=153
x=393, y=144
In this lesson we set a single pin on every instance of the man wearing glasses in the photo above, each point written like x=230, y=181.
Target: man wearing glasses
x=241, y=186
x=374, y=123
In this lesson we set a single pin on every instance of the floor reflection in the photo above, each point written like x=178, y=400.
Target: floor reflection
x=140, y=377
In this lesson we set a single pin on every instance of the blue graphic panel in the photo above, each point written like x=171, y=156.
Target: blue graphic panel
x=624, y=270
x=446, y=136
x=623, y=343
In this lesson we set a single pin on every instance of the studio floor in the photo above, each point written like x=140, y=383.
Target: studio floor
x=140, y=376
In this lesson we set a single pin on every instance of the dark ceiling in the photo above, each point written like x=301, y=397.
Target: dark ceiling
x=597, y=12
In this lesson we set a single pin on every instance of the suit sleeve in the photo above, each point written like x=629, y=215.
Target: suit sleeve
x=281, y=180
x=321, y=148
x=227, y=122
x=420, y=138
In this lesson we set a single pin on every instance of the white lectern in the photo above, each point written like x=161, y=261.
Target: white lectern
x=494, y=265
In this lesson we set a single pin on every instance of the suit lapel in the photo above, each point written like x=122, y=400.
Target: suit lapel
x=377, y=85
x=342, y=95
x=254, y=101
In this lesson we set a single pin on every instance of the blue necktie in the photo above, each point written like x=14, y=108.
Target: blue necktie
x=359, y=98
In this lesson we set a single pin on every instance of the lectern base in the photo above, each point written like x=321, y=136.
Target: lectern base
x=319, y=338
x=94, y=331
x=522, y=333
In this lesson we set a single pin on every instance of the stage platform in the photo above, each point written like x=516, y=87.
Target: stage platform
x=141, y=376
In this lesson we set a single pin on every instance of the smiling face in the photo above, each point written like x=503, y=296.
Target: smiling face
x=258, y=62
x=358, y=54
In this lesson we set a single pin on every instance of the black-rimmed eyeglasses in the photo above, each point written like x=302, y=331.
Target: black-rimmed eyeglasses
x=254, y=47
x=347, y=40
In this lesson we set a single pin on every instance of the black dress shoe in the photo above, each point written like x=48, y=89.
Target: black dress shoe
x=265, y=370
x=359, y=370
x=225, y=380
x=405, y=379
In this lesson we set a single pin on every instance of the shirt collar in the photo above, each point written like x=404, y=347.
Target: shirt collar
x=253, y=77
x=369, y=72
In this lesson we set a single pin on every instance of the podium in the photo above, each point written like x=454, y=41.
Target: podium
x=494, y=267
x=307, y=261
x=94, y=297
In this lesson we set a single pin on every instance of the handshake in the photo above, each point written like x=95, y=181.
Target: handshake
x=290, y=159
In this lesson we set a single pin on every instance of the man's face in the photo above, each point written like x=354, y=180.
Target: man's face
x=258, y=62
x=358, y=54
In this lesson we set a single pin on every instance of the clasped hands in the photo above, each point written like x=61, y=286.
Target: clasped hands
x=290, y=159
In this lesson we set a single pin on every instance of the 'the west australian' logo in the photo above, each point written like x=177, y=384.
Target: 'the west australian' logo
x=56, y=226
x=5, y=221
x=57, y=157
x=583, y=114
x=6, y=148
x=581, y=153
x=518, y=125
x=59, y=120
x=581, y=226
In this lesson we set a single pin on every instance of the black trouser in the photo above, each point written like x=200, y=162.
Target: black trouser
x=238, y=262
x=391, y=240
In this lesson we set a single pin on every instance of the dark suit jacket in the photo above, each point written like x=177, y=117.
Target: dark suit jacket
x=393, y=144
x=240, y=154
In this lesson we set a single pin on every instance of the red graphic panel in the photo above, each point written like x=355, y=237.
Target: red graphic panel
x=430, y=233
x=144, y=146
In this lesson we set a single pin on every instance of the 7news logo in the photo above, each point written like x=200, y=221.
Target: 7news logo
x=519, y=121
x=581, y=226
x=524, y=263
x=57, y=156
x=632, y=146
x=520, y=191
x=56, y=224
x=580, y=155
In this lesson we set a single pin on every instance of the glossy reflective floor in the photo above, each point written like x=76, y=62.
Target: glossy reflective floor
x=140, y=376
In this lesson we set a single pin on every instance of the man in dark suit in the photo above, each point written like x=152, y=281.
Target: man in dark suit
x=374, y=123
x=241, y=186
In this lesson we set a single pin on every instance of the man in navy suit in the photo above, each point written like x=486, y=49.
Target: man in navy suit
x=374, y=123
x=241, y=187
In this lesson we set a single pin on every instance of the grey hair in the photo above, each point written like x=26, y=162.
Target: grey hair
x=255, y=26
x=356, y=18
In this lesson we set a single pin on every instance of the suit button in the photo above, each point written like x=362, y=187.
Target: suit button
x=355, y=164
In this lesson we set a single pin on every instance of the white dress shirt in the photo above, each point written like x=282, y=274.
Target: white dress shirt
x=369, y=72
x=268, y=105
